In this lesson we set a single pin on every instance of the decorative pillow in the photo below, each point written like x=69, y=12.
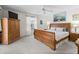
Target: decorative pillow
x=65, y=30
x=59, y=29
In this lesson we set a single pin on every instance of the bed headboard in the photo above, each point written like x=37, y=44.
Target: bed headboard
x=61, y=25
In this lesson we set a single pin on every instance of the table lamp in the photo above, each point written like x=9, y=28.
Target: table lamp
x=75, y=26
x=48, y=24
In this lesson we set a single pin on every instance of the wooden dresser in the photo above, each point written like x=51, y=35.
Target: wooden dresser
x=74, y=36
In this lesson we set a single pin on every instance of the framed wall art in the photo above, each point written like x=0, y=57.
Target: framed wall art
x=75, y=17
x=60, y=17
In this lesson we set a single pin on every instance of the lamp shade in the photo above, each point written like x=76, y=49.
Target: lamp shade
x=75, y=23
x=77, y=41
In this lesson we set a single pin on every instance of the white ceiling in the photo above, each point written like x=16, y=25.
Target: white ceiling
x=37, y=9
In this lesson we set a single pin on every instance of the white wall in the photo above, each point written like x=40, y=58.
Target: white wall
x=23, y=24
x=5, y=13
x=44, y=18
x=43, y=26
x=0, y=17
x=33, y=21
x=0, y=11
x=49, y=17
x=28, y=25
x=69, y=14
x=21, y=17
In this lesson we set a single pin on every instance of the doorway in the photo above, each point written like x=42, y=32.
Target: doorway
x=31, y=24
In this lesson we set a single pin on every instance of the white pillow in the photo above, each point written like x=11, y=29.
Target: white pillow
x=59, y=29
x=53, y=28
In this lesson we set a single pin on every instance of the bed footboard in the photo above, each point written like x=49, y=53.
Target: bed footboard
x=48, y=38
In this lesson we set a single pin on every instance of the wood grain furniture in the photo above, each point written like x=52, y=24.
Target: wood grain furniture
x=74, y=36
x=4, y=30
x=10, y=30
x=77, y=44
x=13, y=30
x=77, y=48
x=48, y=38
x=0, y=36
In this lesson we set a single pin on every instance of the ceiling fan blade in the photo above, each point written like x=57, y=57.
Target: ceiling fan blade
x=49, y=10
x=44, y=9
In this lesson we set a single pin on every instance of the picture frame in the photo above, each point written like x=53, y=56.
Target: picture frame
x=60, y=17
x=75, y=17
x=41, y=22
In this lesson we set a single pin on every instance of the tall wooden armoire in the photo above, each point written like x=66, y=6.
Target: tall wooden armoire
x=11, y=30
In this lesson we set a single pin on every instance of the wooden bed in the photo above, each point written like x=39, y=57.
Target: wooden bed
x=48, y=38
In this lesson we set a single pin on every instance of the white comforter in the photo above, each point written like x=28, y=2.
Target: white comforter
x=59, y=34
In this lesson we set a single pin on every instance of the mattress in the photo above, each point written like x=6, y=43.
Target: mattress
x=59, y=34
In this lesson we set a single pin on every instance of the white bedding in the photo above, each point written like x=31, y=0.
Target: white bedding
x=59, y=34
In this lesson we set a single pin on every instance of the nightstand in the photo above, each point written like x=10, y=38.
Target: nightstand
x=74, y=36
x=77, y=48
x=77, y=44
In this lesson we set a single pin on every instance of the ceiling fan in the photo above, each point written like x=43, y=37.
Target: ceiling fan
x=46, y=10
